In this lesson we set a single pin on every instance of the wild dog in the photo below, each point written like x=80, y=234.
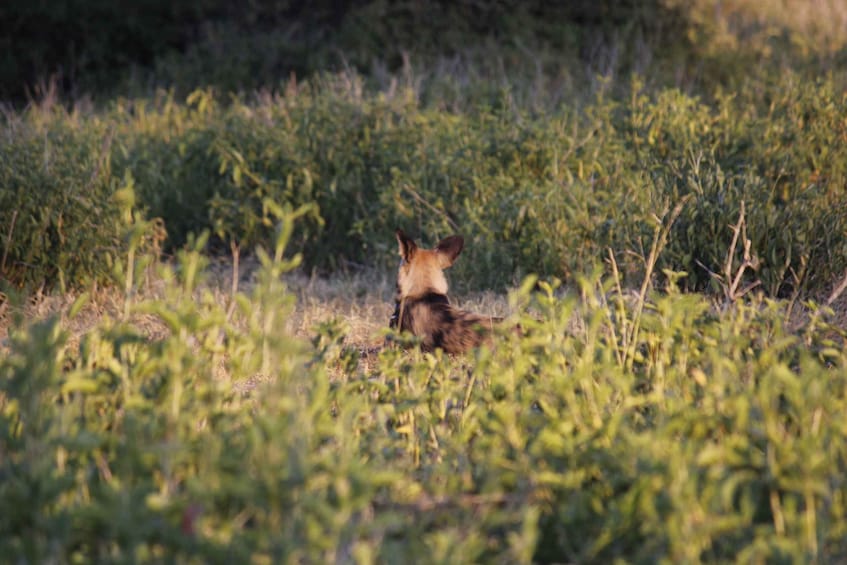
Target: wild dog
x=421, y=305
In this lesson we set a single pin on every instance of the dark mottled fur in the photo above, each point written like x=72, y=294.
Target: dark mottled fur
x=442, y=326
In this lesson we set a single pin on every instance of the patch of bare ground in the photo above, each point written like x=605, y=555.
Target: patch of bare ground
x=362, y=300
x=104, y=302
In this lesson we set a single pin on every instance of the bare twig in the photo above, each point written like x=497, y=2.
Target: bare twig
x=736, y=231
x=731, y=278
x=236, y=254
x=8, y=242
x=103, y=467
x=798, y=281
x=418, y=198
x=836, y=292
x=712, y=274
x=660, y=239
x=747, y=260
x=620, y=310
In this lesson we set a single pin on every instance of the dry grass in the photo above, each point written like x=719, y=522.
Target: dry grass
x=363, y=301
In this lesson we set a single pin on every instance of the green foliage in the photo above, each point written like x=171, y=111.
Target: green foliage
x=60, y=220
x=549, y=194
x=778, y=160
x=702, y=436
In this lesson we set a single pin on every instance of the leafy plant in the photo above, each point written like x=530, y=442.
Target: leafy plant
x=644, y=428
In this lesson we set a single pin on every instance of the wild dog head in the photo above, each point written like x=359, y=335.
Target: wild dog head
x=422, y=270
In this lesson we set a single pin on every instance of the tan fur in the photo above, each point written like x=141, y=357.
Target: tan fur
x=422, y=307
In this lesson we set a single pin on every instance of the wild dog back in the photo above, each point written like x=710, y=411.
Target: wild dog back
x=422, y=307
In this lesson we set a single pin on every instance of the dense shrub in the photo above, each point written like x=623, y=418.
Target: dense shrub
x=549, y=194
x=59, y=221
x=646, y=431
x=783, y=159
x=546, y=195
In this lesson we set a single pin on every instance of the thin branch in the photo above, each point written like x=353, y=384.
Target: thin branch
x=660, y=240
x=836, y=292
x=708, y=270
x=620, y=310
x=8, y=242
x=736, y=231
x=236, y=253
x=421, y=200
x=732, y=279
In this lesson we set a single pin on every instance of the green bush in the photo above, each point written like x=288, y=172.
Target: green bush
x=778, y=152
x=58, y=217
x=550, y=194
x=645, y=431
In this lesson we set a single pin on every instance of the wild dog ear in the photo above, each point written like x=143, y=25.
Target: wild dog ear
x=406, y=246
x=448, y=249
